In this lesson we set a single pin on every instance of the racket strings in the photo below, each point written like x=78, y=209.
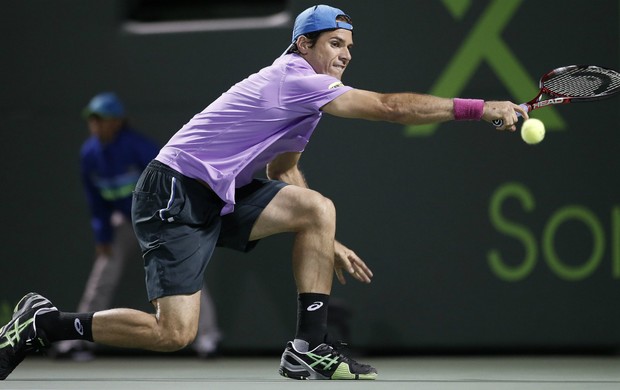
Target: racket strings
x=583, y=82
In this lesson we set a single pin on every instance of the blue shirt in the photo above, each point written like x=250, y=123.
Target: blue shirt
x=110, y=173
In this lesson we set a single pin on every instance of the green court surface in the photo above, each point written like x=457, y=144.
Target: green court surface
x=420, y=373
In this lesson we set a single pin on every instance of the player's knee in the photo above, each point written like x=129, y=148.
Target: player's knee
x=177, y=338
x=177, y=342
x=322, y=211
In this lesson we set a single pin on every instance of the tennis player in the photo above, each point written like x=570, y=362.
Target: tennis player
x=201, y=192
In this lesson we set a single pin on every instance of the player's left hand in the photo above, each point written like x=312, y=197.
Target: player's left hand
x=346, y=259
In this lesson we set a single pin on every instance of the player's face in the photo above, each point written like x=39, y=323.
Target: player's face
x=332, y=52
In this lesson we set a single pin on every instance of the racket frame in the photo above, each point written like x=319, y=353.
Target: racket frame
x=557, y=98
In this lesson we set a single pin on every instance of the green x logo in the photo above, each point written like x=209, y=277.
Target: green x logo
x=12, y=333
x=484, y=44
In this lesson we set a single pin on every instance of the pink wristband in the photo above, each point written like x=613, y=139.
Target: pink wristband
x=468, y=109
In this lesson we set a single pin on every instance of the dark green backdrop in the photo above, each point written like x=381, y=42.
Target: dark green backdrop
x=477, y=240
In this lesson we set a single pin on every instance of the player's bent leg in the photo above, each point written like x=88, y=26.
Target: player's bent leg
x=171, y=328
x=313, y=218
x=294, y=209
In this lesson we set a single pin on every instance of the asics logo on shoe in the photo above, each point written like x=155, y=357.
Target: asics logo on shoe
x=326, y=361
x=12, y=334
x=315, y=306
x=78, y=326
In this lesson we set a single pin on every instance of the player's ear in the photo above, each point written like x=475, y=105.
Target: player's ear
x=303, y=44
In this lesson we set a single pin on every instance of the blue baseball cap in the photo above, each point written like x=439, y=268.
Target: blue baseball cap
x=105, y=105
x=318, y=18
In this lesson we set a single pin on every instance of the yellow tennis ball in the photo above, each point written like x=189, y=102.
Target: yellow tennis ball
x=533, y=131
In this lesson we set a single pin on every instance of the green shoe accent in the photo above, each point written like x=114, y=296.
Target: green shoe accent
x=325, y=362
x=343, y=372
x=12, y=335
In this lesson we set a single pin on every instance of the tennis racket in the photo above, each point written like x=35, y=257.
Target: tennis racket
x=572, y=84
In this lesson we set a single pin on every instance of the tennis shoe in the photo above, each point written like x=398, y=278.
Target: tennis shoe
x=20, y=337
x=323, y=362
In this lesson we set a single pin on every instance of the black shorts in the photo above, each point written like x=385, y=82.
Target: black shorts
x=178, y=225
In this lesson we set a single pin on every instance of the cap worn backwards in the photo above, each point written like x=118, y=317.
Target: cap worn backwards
x=105, y=105
x=318, y=18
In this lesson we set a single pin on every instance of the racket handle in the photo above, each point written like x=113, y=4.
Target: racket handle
x=500, y=123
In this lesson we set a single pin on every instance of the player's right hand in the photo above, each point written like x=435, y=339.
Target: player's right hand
x=505, y=111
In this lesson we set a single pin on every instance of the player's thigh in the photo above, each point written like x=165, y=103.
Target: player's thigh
x=179, y=313
x=292, y=209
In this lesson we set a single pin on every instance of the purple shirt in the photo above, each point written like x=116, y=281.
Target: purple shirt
x=271, y=112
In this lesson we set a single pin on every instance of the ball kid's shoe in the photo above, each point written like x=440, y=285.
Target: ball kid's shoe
x=323, y=362
x=20, y=337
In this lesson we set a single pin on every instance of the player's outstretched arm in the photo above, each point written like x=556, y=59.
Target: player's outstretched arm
x=414, y=109
x=404, y=108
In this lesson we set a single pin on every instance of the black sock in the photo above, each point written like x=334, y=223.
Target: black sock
x=312, y=318
x=66, y=326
